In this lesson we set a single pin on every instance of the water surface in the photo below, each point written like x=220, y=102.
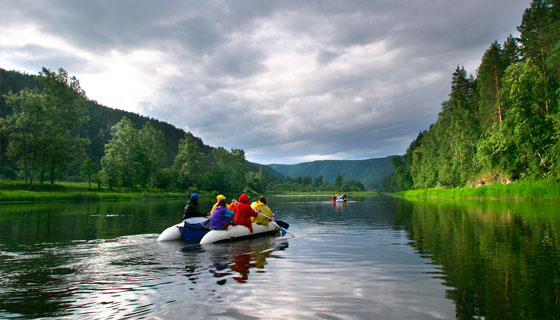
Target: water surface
x=371, y=258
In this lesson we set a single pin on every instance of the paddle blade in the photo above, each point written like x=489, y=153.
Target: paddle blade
x=282, y=224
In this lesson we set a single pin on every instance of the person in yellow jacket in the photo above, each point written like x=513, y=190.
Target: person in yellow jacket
x=260, y=206
x=228, y=206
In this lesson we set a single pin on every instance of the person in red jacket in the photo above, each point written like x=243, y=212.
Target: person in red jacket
x=244, y=212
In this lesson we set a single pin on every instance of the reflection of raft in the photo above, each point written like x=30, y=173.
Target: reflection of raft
x=239, y=232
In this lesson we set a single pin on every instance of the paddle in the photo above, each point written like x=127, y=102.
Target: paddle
x=278, y=222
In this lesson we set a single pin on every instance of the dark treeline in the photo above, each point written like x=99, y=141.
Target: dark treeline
x=500, y=126
x=308, y=184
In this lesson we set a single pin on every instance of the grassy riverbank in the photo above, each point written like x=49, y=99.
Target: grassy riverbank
x=520, y=190
x=16, y=191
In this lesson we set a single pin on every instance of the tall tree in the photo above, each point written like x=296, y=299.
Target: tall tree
x=66, y=109
x=489, y=80
x=190, y=163
x=539, y=36
x=338, y=181
x=27, y=130
x=151, y=153
x=120, y=161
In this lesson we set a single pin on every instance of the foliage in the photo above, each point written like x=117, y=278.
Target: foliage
x=501, y=126
x=132, y=156
x=370, y=171
x=41, y=126
x=522, y=189
x=190, y=164
x=306, y=184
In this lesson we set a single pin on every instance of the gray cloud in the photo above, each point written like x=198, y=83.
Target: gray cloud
x=286, y=81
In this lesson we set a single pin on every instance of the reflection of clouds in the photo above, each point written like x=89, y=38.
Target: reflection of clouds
x=328, y=275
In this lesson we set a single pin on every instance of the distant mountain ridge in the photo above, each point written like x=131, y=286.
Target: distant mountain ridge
x=369, y=171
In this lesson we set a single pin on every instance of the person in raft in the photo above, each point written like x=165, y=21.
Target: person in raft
x=243, y=212
x=260, y=207
x=191, y=209
x=218, y=198
x=221, y=216
x=228, y=206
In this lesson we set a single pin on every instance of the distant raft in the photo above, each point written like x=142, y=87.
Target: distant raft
x=240, y=232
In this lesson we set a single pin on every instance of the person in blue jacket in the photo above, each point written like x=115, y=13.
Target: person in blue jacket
x=191, y=209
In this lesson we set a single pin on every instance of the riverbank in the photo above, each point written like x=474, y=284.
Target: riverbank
x=519, y=190
x=16, y=191
x=322, y=193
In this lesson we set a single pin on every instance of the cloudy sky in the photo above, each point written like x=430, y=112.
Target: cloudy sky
x=286, y=81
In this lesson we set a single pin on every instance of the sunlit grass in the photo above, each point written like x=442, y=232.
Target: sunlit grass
x=525, y=189
x=12, y=191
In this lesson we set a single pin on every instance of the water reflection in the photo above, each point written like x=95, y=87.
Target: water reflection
x=377, y=258
x=339, y=207
x=499, y=259
x=232, y=260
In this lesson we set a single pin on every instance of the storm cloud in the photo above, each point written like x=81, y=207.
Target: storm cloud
x=287, y=81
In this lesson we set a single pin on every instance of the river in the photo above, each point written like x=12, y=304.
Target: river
x=371, y=258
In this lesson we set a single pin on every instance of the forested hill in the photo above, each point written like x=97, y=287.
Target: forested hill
x=370, y=171
x=101, y=119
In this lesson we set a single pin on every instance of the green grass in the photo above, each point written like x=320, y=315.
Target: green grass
x=17, y=191
x=525, y=189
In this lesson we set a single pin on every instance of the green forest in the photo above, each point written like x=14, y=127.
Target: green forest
x=503, y=124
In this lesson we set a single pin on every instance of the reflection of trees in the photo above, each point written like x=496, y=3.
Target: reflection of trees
x=501, y=259
x=242, y=256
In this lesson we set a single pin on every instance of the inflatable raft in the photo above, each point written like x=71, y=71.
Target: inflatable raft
x=239, y=232
x=171, y=233
x=195, y=229
x=192, y=229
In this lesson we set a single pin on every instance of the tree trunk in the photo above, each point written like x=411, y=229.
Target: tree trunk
x=25, y=164
x=497, y=95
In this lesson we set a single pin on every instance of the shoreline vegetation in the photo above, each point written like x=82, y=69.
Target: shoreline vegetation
x=519, y=190
x=17, y=191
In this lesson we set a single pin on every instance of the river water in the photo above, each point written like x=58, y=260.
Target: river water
x=371, y=258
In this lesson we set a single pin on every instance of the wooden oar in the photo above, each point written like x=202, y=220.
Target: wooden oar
x=280, y=223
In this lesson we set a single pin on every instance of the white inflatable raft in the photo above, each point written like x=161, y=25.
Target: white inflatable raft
x=238, y=232
x=171, y=233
